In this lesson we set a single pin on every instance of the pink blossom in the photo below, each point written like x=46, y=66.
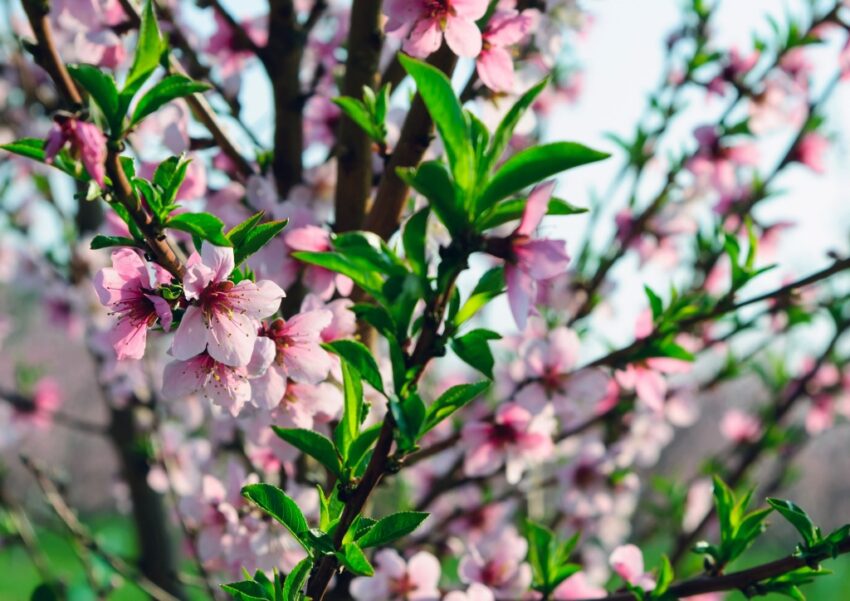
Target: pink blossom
x=317, y=279
x=577, y=586
x=530, y=260
x=735, y=66
x=811, y=151
x=424, y=22
x=225, y=385
x=627, y=561
x=46, y=399
x=298, y=355
x=87, y=143
x=128, y=289
x=223, y=317
x=495, y=64
x=397, y=580
x=514, y=439
x=497, y=563
x=740, y=426
x=475, y=592
x=549, y=371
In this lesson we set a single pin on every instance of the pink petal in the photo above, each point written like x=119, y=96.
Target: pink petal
x=651, y=388
x=182, y=378
x=520, y=292
x=219, y=259
x=469, y=9
x=496, y=69
x=627, y=561
x=129, y=339
x=424, y=39
x=535, y=208
x=268, y=390
x=463, y=36
x=231, y=337
x=191, y=336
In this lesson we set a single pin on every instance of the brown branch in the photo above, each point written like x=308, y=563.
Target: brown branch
x=158, y=245
x=354, y=147
x=743, y=580
x=47, y=55
x=415, y=138
x=282, y=59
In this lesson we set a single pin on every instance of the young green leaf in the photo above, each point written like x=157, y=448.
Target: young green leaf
x=431, y=179
x=491, y=285
x=409, y=414
x=281, y=507
x=349, y=426
x=799, y=519
x=313, y=444
x=148, y=50
x=100, y=241
x=296, y=579
x=203, y=225
x=390, y=528
x=413, y=239
x=436, y=92
x=246, y=590
x=452, y=400
x=511, y=210
x=360, y=358
x=533, y=165
x=170, y=88
x=352, y=557
x=101, y=87
x=474, y=348
x=502, y=136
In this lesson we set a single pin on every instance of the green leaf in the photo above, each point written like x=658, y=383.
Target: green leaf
x=409, y=414
x=239, y=233
x=203, y=225
x=431, y=179
x=504, y=132
x=296, y=579
x=413, y=239
x=533, y=165
x=149, y=47
x=356, y=111
x=313, y=444
x=256, y=238
x=349, y=426
x=655, y=302
x=451, y=400
x=246, y=590
x=281, y=507
x=169, y=176
x=102, y=89
x=474, y=348
x=445, y=110
x=391, y=528
x=352, y=557
x=367, y=279
x=361, y=445
x=369, y=249
x=540, y=544
x=491, y=285
x=511, y=210
x=665, y=577
x=724, y=501
x=170, y=88
x=798, y=518
x=33, y=148
x=360, y=359
x=99, y=242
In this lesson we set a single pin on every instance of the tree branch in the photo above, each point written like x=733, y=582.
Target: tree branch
x=354, y=147
x=415, y=138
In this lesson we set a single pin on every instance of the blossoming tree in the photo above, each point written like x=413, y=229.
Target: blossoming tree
x=294, y=334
